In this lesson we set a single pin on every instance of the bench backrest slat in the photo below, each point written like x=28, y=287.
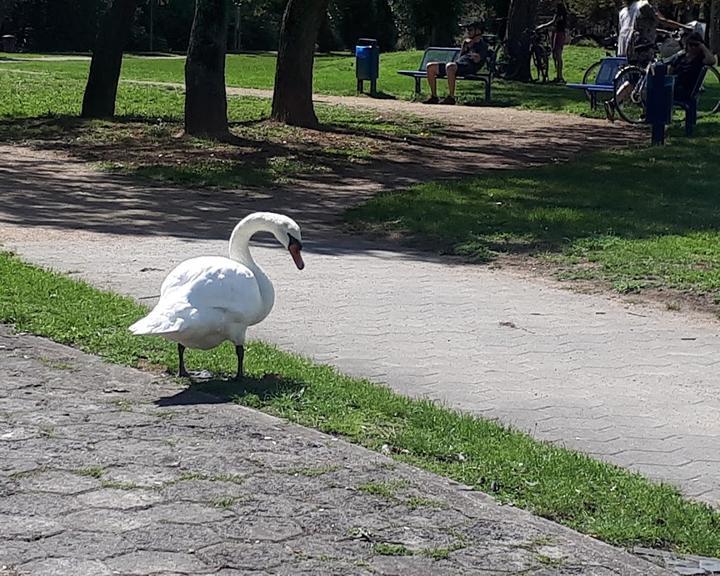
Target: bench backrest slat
x=608, y=69
x=436, y=54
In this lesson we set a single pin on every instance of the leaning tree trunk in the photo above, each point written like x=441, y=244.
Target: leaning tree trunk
x=101, y=88
x=205, y=98
x=521, y=20
x=292, y=97
x=714, y=25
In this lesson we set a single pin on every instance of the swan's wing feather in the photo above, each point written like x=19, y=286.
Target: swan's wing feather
x=231, y=289
x=200, y=294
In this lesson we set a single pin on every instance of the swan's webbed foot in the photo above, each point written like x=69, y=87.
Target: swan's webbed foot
x=182, y=373
x=240, y=351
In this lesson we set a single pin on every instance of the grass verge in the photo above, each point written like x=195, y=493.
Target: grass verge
x=636, y=218
x=596, y=498
x=41, y=109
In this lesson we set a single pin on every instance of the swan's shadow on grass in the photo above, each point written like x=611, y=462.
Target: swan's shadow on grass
x=221, y=390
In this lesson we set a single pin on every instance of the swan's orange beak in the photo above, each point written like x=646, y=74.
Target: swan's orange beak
x=294, y=250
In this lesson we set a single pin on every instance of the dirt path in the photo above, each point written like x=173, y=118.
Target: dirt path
x=474, y=139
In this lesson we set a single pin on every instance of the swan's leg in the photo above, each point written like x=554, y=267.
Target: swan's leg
x=181, y=363
x=240, y=351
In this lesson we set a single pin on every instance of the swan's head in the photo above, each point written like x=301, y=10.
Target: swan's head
x=288, y=234
x=283, y=228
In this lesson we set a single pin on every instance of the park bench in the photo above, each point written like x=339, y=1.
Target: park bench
x=690, y=106
x=445, y=55
x=603, y=83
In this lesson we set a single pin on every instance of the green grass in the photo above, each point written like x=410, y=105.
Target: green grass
x=386, y=490
x=336, y=75
x=385, y=549
x=55, y=94
x=638, y=218
x=596, y=498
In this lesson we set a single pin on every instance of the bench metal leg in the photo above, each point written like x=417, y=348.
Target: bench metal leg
x=487, y=91
x=417, y=85
x=658, y=134
x=690, y=119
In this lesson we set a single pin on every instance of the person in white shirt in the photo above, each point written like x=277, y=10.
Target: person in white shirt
x=637, y=29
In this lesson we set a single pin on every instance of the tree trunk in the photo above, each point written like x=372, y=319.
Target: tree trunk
x=521, y=21
x=292, y=97
x=205, y=98
x=101, y=88
x=714, y=25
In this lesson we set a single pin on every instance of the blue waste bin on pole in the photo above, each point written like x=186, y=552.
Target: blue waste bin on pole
x=367, y=63
x=659, y=106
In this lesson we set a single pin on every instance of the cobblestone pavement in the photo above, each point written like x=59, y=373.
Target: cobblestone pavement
x=632, y=385
x=106, y=470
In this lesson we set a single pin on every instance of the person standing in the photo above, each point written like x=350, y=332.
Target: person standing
x=637, y=31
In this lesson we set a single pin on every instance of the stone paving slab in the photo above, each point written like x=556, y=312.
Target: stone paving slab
x=108, y=470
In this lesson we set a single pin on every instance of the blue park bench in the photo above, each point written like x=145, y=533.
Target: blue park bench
x=603, y=82
x=445, y=55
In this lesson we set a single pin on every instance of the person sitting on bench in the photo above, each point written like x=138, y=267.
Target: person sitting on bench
x=472, y=56
x=687, y=65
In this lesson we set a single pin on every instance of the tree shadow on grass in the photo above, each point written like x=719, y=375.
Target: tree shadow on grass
x=220, y=390
x=67, y=196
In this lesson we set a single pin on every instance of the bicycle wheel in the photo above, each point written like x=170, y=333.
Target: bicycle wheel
x=629, y=95
x=709, y=99
x=590, y=76
x=539, y=68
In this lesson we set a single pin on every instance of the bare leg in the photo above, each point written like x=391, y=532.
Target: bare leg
x=558, y=58
x=432, y=74
x=451, y=70
x=181, y=362
x=240, y=351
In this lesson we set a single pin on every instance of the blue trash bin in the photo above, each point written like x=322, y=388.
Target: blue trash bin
x=367, y=63
x=659, y=105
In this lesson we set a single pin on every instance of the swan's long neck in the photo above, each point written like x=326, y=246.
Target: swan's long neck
x=239, y=249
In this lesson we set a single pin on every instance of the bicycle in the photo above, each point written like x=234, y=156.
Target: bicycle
x=540, y=51
x=631, y=83
x=539, y=54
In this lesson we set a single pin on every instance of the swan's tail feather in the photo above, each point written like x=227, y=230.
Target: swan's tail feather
x=155, y=324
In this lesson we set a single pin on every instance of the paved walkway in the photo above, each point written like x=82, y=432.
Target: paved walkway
x=105, y=470
x=637, y=387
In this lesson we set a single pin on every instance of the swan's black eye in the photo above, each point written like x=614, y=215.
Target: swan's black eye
x=294, y=242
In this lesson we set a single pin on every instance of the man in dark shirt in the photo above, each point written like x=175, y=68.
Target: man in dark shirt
x=687, y=65
x=472, y=56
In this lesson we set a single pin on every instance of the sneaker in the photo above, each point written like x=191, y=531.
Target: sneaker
x=431, y=100
x=609, y=110
x=448, y=100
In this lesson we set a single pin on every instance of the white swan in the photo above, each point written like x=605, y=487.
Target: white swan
x=205, y=301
